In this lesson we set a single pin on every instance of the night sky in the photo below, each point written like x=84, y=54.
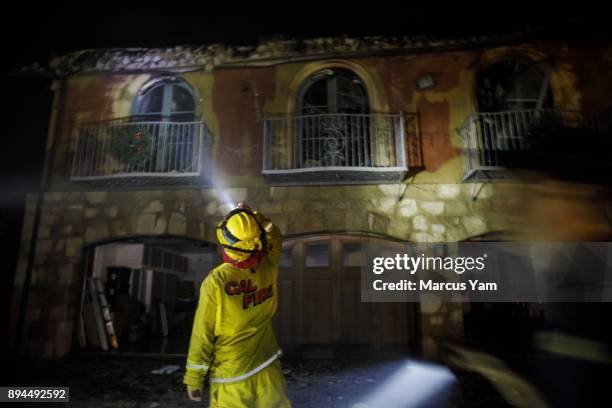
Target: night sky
x=29, y=39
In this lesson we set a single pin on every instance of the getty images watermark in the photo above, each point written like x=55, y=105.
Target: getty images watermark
x=488, y=271
x=411, y=265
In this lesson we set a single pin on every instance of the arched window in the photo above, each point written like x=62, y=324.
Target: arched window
x=333, y=91
x=166, y=109
x=333, y=120
x=514, y=84
x=514, y=98
x=166, y=100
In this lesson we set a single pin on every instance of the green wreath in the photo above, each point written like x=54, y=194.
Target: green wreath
x=131, y=145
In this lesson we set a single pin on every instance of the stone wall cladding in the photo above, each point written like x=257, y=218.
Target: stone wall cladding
x=72, y=220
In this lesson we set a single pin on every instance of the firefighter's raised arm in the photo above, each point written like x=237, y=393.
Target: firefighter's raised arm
x=275, y=243
x=274, y=238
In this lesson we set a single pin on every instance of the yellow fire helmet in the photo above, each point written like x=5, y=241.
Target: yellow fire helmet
x=241, y=234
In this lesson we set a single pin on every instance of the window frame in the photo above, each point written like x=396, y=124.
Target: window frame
x=332, y=90
x=168, y=83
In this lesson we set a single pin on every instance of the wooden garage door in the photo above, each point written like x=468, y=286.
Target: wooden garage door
x=320, y=313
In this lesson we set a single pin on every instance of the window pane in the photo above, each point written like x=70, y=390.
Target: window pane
x=351, y=95
x=315, y=98
x=285, y=260
x=512, y=85
x=317, y=255
x=352, y=254
x=182, y=117
x=152, y=100
x=182, y=100
x=147, y=117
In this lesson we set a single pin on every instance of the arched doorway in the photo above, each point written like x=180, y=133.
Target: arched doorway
x=320, y=313
x=165, y=112
x=333, y=120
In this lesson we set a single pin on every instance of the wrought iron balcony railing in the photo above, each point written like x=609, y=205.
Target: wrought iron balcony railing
x=337, y=148
x=126, y=152
x=495, y=142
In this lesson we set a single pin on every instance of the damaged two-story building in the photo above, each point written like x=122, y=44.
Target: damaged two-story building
x=343, y=142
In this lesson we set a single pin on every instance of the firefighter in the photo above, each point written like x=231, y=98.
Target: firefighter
x=232, y=338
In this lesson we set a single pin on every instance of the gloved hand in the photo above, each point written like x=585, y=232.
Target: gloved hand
x=265, y=222
x=195, y=394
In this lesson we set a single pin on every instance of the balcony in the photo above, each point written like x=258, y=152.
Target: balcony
x=337, y=148
x=128, y=152
x=495, y=143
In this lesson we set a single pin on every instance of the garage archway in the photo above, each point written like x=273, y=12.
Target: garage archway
x=151, y=286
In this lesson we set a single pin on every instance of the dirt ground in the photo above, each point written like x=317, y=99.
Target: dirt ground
x=97, y=380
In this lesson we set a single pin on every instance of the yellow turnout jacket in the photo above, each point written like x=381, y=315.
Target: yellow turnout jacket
x=232, y=334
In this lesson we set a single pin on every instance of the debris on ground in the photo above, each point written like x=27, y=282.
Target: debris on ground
x=127, y=381
x=169, y=369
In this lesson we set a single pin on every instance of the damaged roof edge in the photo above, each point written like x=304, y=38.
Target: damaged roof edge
x=266, y=52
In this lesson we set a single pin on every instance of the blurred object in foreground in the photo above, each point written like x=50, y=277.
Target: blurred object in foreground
x=566, y=211
x=515, y=390
x=572, y=346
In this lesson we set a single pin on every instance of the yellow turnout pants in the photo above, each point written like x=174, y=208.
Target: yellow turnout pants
x=263, y=389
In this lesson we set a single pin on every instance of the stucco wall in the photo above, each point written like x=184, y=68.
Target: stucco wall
x=233, y=102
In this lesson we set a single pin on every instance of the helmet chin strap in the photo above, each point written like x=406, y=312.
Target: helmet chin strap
x=250, y=263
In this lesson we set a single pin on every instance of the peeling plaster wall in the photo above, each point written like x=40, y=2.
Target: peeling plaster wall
x=233, y=102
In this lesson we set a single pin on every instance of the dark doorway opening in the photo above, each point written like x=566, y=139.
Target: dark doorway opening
x=150, y=286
